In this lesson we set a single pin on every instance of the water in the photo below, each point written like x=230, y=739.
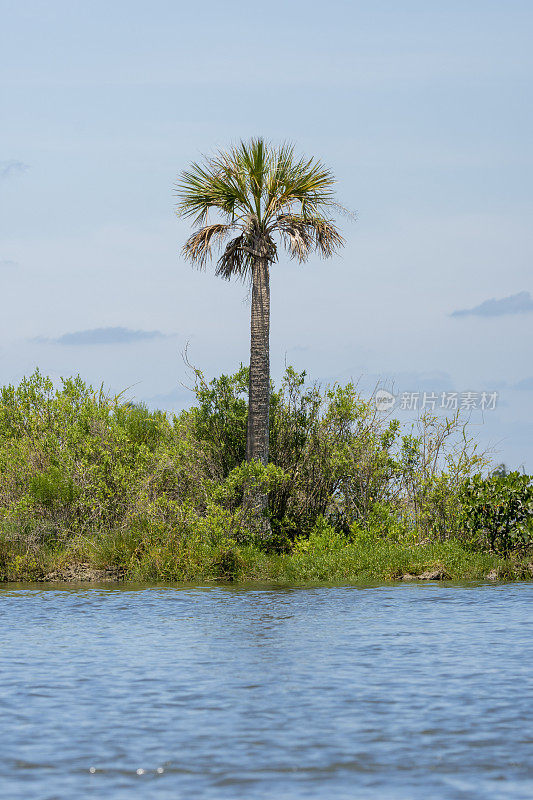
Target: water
x=403, y=691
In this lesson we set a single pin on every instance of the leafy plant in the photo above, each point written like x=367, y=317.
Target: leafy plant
x=52, y=487
x=499, y=510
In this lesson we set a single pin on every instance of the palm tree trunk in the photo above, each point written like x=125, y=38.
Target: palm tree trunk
x=259, y=389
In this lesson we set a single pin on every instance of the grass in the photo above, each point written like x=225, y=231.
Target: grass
x=150, y=558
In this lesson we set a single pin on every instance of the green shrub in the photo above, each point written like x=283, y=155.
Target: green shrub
x=498, y=511
x=52, y=487
x=219, y=419
x=143, y=427
x=165, y=496
x=323, y=538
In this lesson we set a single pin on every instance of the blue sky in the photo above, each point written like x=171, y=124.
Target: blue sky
x=422, y=109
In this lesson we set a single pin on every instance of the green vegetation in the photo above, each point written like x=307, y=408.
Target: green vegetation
x=88, y=479
x=498, y=511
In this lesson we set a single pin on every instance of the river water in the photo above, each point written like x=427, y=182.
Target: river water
x=398, y=691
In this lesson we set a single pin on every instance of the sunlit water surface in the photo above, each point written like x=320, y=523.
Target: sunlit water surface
x=402, y=691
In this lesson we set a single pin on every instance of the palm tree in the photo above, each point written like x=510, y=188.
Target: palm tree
x=262, y=196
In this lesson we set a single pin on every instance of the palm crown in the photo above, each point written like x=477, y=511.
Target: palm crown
x=262, y=195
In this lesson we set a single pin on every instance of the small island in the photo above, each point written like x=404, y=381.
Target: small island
x=98, y=489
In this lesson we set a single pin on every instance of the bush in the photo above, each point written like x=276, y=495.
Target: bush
x=498, y=511
x=52, y=487
x=166, y=493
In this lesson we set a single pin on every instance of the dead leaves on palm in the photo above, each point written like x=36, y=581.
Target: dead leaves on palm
x=303, y=234
x=300, y=235
x=235, y=260
x=240, y=254
x=198, y=247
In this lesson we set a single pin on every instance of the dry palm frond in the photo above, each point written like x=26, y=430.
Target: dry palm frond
x=198, y=247
x=295, y=235
x=327, y=237
x=240, y=254
x=301, y=234
x=235, y=260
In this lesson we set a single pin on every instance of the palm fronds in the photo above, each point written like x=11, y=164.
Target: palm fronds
x=235, y=260
x=240, y=254
x=260, y=190
x=198, y=247
x=327, y=237
x=303, y=234
x=213, y=186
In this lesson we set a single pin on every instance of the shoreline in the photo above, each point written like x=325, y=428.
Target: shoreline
x=377, y=561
